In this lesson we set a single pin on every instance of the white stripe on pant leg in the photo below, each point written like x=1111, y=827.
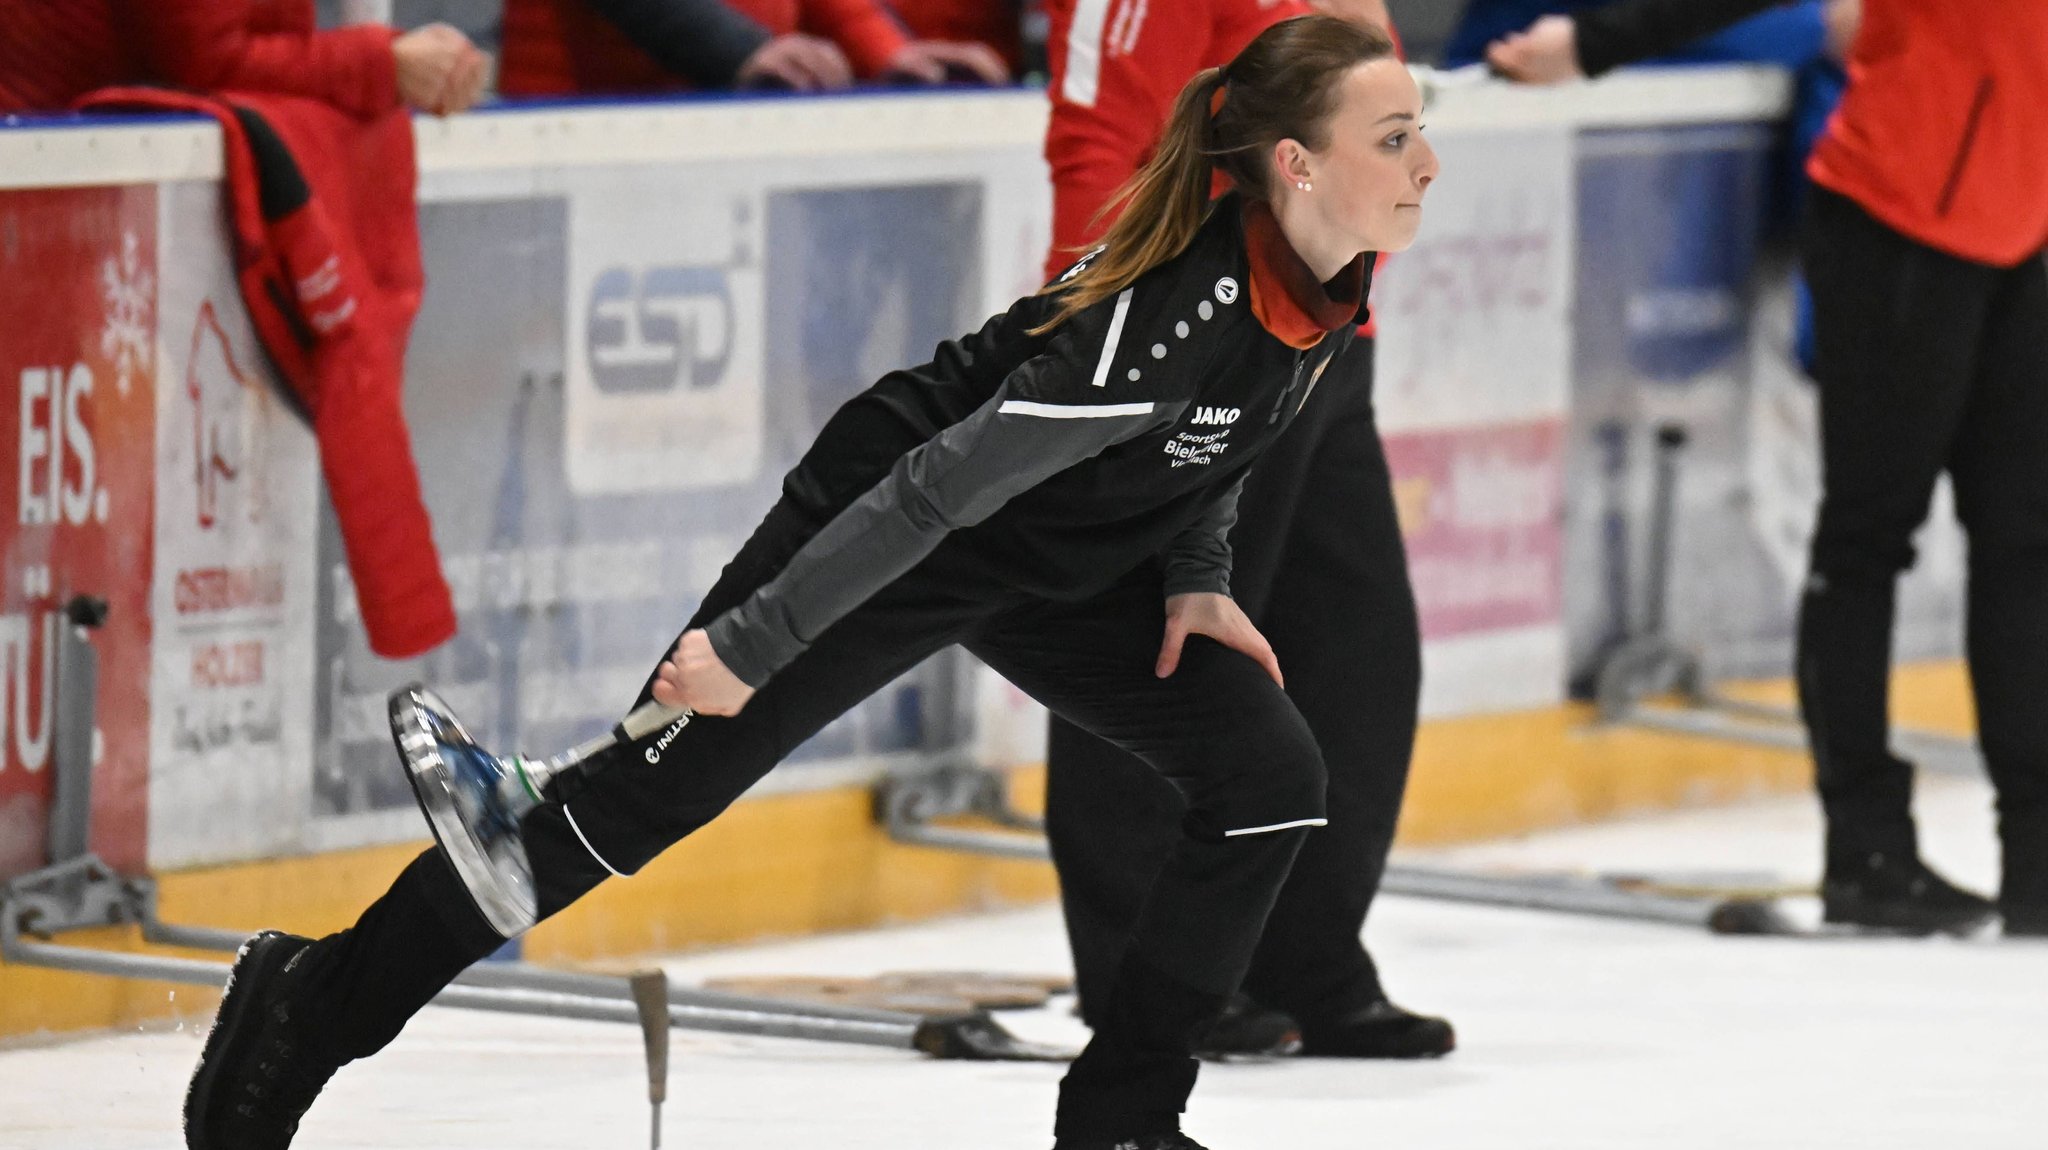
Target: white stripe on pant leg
x=1246, y=830
x=616, y=872
x=1116, y=333
x=1084, y=52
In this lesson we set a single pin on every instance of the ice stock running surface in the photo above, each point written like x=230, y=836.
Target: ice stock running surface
x=1577, y=1035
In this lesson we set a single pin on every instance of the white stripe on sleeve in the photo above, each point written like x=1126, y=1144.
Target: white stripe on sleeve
x=1071, y=410
x=1116, y=333
x=1277, y=827
x=1084, y=52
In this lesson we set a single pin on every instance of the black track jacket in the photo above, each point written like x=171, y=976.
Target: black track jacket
x=1053, y=463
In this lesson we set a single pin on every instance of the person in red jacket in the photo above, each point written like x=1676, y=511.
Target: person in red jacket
x=564, y=47
x=52, y=54
x=1926, y=247
x=1324, y=573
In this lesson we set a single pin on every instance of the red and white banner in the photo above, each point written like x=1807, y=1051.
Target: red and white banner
x=79, y=349
x=1480, y=509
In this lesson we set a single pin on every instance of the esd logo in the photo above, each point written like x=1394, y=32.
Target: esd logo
x=657, y=328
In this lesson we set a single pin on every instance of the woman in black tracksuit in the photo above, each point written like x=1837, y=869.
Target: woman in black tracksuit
x=1052, y=492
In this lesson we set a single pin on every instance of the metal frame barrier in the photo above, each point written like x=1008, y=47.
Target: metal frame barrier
x=910, y=806
x=1651, y=665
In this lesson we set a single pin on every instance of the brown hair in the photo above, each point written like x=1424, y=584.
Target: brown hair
x=1282, y=86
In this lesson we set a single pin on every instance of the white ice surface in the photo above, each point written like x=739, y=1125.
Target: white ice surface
x=1576, y=1034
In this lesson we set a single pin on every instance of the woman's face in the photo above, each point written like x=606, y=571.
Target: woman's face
x=1367, y=183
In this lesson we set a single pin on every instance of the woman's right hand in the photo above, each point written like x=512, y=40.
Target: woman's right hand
x=439, y=70
x=797, y=62
x=695, y=677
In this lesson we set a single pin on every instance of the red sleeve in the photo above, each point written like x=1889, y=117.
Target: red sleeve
x=1116, y=66
x=214, y=45
x=866, y=32
x=282, y=16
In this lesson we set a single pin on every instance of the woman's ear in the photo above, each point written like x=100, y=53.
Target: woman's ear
x=1290, y=162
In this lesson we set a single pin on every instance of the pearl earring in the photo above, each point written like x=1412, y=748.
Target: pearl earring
x=1305, y=186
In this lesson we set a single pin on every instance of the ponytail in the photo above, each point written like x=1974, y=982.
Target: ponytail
x=1283, y=85
x=1157, y=211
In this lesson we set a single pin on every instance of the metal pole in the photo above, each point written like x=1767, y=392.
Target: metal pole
x=897, y=1033
x=74, y=693
x=999, y=845
x=1664, y=497
x=1549, y=894
x=523, y=976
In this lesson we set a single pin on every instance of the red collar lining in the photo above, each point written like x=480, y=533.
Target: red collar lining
x=1286, y=297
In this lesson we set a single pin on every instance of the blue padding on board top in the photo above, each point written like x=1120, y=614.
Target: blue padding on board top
x=514, y=104
x=64, y=121
x=43, y=121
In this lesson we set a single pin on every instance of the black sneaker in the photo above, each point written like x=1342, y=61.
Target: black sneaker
x=1382, y=1030
x=261, y=1068
x=2026, y=921
x=1900, y=894
x=1247, y=1030
x=1172, y=1141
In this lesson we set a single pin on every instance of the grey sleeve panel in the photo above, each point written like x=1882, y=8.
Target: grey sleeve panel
x=957, y=479
x=1199, y=558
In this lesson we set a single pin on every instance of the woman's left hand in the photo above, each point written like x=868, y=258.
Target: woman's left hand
x=1220, y=618
x=695, y=677
x=936, y=61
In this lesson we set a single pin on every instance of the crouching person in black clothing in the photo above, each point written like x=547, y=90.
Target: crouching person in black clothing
x=1052, y=492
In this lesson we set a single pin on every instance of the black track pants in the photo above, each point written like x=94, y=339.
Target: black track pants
x=1927, y=363
x=1320, y=569
x=1218, y=728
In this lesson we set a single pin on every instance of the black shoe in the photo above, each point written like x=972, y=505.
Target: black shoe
x=2023, y=893
x=1899, y=893
x=1381, y=1030
x=261, y=1067
x=1173, y=1141
x=1247, y=1030
x=2026, y=921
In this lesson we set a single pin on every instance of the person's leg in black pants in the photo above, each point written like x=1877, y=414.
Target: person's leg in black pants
x=1899, y=344
x=2000, y=467
x=1341, y=617
x=345, y=996
x=630, y=809
x=1320, y=568
x=1234, y=746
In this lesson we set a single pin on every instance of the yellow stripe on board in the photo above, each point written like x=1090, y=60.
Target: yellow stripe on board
x=798, y=864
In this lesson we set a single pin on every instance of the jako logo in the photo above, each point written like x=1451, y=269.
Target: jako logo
x=667, y=737
x=650, y=330
x=1226, y=290
x=1217, y=415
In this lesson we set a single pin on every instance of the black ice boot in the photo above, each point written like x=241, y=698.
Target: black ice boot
x=262, y=1066
x=1247, y=1030
x=1381, y=1030
x=2023, y=896
x=1897, y=892
x=2025, y=921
